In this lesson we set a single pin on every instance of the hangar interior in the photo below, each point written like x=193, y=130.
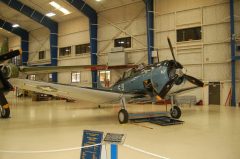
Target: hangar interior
x=206, y=41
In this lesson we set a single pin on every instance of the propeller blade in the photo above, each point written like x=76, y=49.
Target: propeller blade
x=194, y=80
x=10, y=55
x=171, y=48
x=167, y=87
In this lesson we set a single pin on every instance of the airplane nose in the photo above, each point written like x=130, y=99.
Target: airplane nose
x=172, y=73
x=179, y=72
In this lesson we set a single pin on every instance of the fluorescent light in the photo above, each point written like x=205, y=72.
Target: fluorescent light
x=55, y=5
x=64, y=10
x=15, y=25
x=59, y=7
x=50, y=14
x=98, y=0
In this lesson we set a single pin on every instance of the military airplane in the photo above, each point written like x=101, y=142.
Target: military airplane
x=158, y=79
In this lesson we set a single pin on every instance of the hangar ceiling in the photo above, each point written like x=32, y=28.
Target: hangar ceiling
x=13, y=16
x=109, y=4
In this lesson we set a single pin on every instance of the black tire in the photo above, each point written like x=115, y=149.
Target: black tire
x=123, y=116
x=175, y=112
x=5, y=113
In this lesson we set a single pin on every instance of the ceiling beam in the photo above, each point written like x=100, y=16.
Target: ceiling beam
x=41, y=19
x=21, y=33
x=89, y=12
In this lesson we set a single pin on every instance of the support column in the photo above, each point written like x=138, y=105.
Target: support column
x=233, y=50
x=150, y=28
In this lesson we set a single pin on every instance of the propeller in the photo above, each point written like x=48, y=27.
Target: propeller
x=171, y=48
x=194, y=80
x=167, y=87
x=178, y=75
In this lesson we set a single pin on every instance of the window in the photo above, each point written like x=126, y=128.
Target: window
x=83, y=48
x=65, y=51
x=189, y=34
x=32, y=77
x=50, y=77
x=123, y=42
x=17, y=60
x=105, y=78
x=41, y=55
x=75, y=77
x=104, y=75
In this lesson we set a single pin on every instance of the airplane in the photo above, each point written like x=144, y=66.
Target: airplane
x=157, y=79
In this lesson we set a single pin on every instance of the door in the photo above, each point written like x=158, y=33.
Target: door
x=214, y=93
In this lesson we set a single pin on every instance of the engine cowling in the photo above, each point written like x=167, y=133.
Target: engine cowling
x=10, y=71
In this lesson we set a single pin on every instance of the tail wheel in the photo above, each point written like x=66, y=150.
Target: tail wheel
x=5, y=112
x=175, y=112
x=123, y=116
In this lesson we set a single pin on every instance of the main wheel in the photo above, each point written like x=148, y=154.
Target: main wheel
x=123, y=116
x=175, y=112
x=5, y=112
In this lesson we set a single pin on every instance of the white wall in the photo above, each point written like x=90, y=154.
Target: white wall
x=209, y=58
x=126, y=21
x=14, y=42
x=72, y=33
x=1, y=40
x=39, y=41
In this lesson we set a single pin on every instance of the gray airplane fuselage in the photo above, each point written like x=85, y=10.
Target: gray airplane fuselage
x=158, y=74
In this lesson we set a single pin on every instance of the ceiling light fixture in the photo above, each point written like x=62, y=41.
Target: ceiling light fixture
x=59, y=7
x=98, y=0
x=50, y=14
x=15, y=25
x=64, y=10
x=55, y=5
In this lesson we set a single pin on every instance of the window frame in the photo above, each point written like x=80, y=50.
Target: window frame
x=43, y=55
x=123, y=41
x=107, y=75
x=186, y=32
x=32, y=77
x=84, y=48
x=65, y=54
x=77, y=73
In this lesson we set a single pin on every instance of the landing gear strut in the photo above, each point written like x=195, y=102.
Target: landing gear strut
x=123, y=114
x=4, y=108
x=175, y=111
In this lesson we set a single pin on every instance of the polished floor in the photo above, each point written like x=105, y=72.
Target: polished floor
x=209, y=132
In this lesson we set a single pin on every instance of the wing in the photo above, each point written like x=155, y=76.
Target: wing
x=69, y=91
x=50, y=69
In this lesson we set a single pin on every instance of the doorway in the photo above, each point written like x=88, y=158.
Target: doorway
x=214, y=93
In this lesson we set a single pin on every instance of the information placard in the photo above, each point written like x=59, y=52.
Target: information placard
x=91, y=138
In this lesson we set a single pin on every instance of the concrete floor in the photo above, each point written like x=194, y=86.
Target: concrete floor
x=209, y=132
